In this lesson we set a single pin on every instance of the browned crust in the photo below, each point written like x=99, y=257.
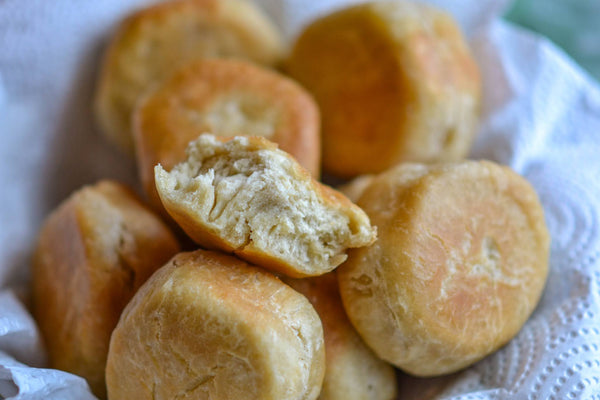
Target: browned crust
x=459, y=265
x=118, y=89
x=352, y=370
x=83, y=276
x=163, y=127
x=209, y=325
x=211, y=238
x=395, y=82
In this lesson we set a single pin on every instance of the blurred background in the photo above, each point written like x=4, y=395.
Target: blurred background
x=574, y=25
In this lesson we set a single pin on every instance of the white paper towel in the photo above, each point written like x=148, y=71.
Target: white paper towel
x=21, y=382
x=541, y=116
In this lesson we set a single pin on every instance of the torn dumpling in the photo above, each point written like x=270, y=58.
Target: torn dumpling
x=246, y=196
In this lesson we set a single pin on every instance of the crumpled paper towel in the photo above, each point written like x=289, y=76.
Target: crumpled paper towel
x=18, y=333
x=541, y=116
x=22, y=382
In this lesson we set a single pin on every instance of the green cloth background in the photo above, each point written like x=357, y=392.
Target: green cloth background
x=573, y=25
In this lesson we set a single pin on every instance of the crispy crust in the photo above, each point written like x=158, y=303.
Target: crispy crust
x=209, y=325
x=459, y=265
x=395, y=82
x=352, y=370
x=92, y=254
x=199, y=98
x=154, y=42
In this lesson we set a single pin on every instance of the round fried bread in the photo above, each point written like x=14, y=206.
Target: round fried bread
x=210, y=326
x=152, y=43
x=244, y=195
x=459, y=265
x=94, y=251
x=225, y=98
x=395, y=82
x=352, y=370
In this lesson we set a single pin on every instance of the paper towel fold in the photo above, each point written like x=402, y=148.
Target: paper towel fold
x=541, y=116
x=21, y=382
x=19, y=336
